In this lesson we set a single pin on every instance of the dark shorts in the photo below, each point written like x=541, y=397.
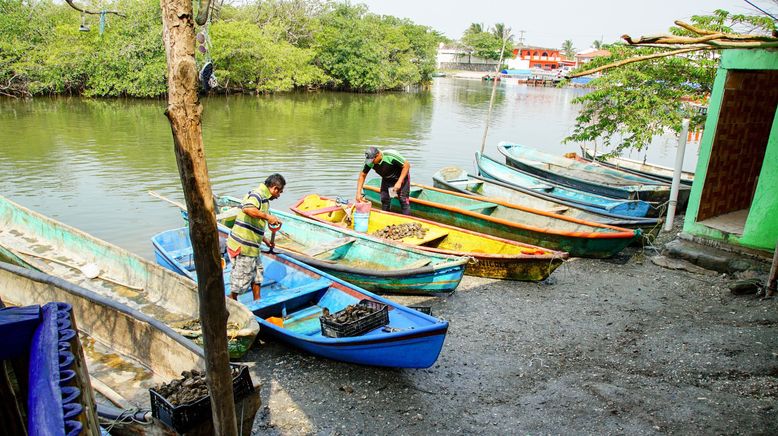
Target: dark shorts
x=403, y=196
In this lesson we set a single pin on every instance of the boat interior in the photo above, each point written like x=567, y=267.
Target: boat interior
x=291, y=297
x=435, y=236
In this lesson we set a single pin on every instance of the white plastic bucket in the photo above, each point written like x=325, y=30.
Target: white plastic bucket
x=361, y=217
x=360, y=221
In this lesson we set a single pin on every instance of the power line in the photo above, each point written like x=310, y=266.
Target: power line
x=761, y=10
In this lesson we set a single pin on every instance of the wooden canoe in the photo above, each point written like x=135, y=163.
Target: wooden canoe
x=126, y=351
x=493, y=257
x=366, y=262
x=644, y=169
x=458, y=180
x=530, y=183
x=294, y=296
x=587, y=176
x=34, y=241
x=578, y=237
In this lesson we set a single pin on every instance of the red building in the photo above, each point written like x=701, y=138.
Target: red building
x=538, y=57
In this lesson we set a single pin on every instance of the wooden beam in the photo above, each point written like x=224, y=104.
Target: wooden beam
x=184, y=113
x=637, y=59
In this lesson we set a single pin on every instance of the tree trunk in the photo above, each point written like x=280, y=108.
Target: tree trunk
x=184, y=112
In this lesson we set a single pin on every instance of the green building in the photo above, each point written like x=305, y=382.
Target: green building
x=734, y=199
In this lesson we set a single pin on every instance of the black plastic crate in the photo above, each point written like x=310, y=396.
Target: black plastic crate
x=379, y=318
x=427, y=310
x=183, y=417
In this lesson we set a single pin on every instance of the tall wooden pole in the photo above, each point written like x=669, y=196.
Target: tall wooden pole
x=494, y=89
x=183, y=112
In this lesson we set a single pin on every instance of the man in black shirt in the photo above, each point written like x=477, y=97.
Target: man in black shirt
x=395, y=177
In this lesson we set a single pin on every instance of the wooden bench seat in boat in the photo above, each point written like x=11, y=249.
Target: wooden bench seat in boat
x=305, y=321
x=272, y=302
x=329, y=246
x=480, y=207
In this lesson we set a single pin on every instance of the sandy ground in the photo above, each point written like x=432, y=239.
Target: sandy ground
x=604, y=347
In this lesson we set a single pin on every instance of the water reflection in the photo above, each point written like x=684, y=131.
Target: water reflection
x=90, y=163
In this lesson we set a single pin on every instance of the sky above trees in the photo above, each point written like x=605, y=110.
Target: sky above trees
x=548, y=24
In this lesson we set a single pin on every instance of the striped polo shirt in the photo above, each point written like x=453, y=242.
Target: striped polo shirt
x=246, y=234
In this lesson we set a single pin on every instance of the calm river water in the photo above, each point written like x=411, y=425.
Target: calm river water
x=91, y=163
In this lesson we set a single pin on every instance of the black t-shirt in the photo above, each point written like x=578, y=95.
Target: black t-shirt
x=390, y=167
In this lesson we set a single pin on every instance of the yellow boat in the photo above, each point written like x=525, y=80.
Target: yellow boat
x=493, y=257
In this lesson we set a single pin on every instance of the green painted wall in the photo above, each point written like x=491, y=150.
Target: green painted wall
x=761, y=229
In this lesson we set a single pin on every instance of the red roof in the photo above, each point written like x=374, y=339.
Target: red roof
x=594, y=54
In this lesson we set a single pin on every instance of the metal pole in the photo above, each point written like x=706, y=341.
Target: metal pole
x=677, y=174
x=494, y=88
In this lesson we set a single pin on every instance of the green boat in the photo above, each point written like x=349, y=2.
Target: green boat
x=578, y=237
x=458, y=180
x=34, y=241
x=371, y=263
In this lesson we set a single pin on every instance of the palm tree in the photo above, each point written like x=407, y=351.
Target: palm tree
x=474, y=29
x=502, y=32
x=568, y=49
x=597, y=44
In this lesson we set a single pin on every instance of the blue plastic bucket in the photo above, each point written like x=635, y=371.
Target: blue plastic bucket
x=360, y=221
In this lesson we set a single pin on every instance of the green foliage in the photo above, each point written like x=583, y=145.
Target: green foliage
x=484, y=45
x=631, y=104
x=248, y=58
x=366, y=52
x=256, y=46
x=487, y=44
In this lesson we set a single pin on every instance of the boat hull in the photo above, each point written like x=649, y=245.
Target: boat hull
x=598, y=240
x=370, y=263
x=640, y=168
x=588, y=177
x=297, y=293
x=527, y=182
x=457, y=180
x=492, y=257
x=408, y=352
x=31, y=240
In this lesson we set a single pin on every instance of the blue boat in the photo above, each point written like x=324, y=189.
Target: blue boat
x=371, y=263
x=529, y=183
x=294, y=296
x=586, y=176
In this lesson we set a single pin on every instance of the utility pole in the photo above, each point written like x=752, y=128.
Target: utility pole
x=521, y=37
x=184, y=113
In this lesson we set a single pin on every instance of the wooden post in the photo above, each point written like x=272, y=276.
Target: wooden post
x=183, y=112
x=772, y=279
x=494, y=88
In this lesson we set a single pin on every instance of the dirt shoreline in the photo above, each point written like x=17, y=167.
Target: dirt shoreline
x=618, y=346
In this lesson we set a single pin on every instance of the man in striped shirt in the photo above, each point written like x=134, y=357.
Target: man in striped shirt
x=395, y=177
x=248, y=233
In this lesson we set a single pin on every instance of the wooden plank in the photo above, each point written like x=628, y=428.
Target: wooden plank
x=332, y=245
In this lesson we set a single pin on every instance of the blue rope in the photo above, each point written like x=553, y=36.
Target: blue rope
x=102, y=22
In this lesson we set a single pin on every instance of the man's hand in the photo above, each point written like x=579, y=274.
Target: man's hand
x=272, y=219
x=268, y=242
